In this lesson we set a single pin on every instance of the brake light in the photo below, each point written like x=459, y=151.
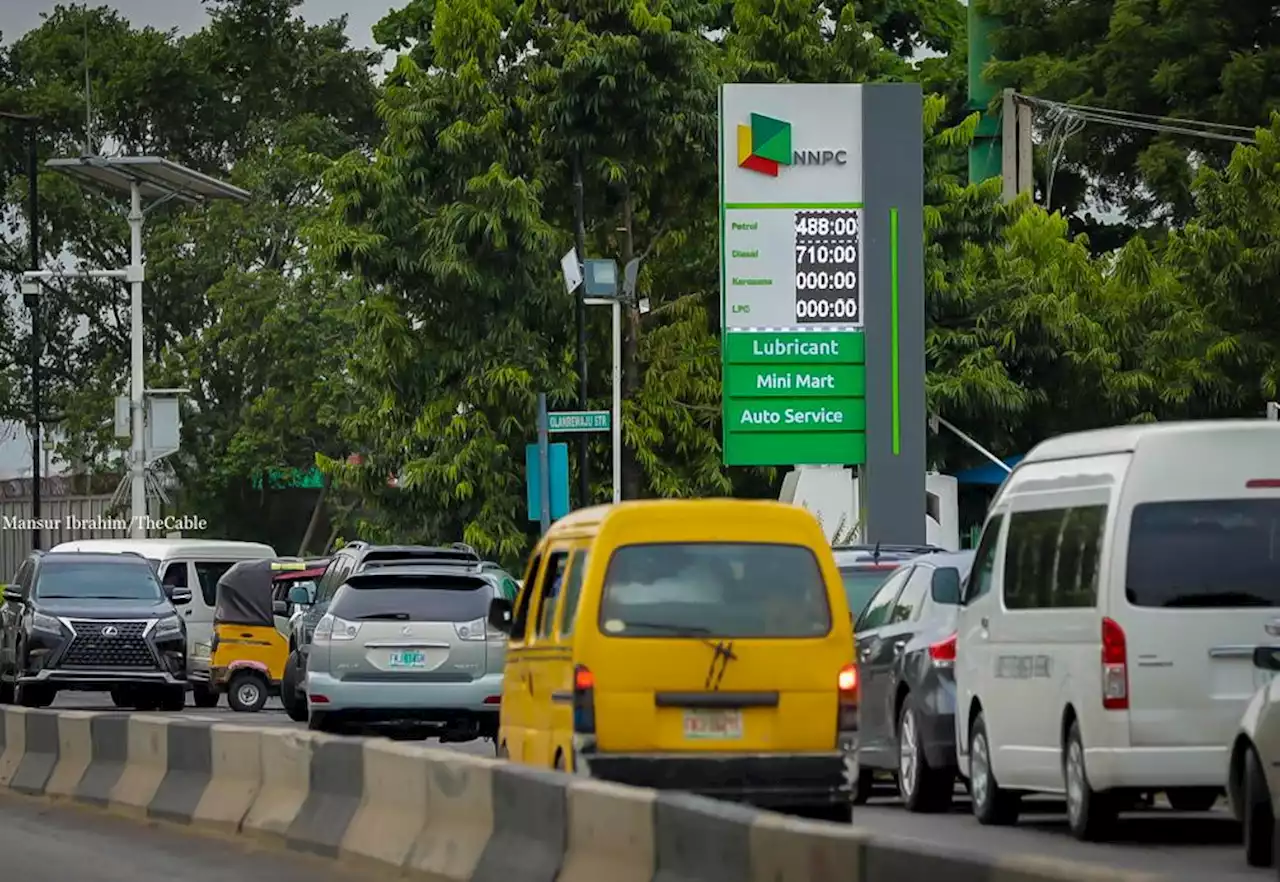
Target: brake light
x=584, y=701
x=1263, y=484
x=493, y=699
x=847, y=680
x=1115, y=667
x=944, y=651
x=847, y=706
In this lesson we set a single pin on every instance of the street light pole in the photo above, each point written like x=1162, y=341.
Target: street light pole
x=33, y=303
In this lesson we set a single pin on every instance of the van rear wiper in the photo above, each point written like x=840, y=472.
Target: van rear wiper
x=679, y=630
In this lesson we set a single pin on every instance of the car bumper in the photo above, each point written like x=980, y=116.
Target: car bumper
x=91, y=680
x=938, y=722
x=765, y=780
x=428, y=702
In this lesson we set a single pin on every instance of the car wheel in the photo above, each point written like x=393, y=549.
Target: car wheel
x=247, y=692
x=864, y=786
x=34, y=695
x=205, y=695
x=291, y=694
x=1259, y=821
x=145, y=700
x=922, y=787
x=122, y=698
x=1090, y=815
x=992, y=804
x=1193, y=799
x=6, y=692
x=173, y=699
x=319, y=721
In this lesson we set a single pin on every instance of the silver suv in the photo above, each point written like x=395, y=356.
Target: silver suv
x=409, y=644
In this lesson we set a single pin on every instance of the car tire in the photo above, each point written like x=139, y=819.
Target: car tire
x=6, y=692
x=34, y=695
x=1090, y=815
x=993, y=806
x=319, y=721
x=864, y=785
x=923, y=788
x=1257, y=815
x=835, y=813
x=145, y=700
x=122, y=698
x=1193, y=799
x=204, y=695
x=247, y=693
x=173, y=699
x=291, y=694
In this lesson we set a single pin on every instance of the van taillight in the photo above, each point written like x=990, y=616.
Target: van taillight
x=584, y=701
x=1115, y=667
x=847, y=706
x=944, y=651
x=847, y=680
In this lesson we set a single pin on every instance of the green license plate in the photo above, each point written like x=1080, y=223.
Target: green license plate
x=408, y=659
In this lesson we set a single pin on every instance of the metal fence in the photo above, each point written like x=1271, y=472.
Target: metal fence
x=62, y=519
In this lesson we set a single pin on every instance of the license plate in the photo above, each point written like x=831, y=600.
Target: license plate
x=708, y=724
x=408, y=659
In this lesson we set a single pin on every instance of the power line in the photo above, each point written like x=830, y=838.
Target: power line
x=1142, y=121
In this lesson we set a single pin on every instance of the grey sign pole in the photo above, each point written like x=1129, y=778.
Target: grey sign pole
x=544, y=465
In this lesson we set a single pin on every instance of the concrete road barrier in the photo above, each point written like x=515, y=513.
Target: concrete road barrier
x=449, y=817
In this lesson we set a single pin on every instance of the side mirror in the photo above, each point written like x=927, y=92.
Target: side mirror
x=299, y=595
x=946, y=586
x=280, y=607
x=501, y=614
x=180, y=596
x=1267, y=658
x=13, y=594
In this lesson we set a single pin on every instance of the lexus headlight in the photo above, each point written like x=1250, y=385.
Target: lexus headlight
x=42, y=622
x=168, y=626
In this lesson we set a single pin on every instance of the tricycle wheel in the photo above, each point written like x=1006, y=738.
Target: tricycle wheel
x=204, y=695
x=247, y=692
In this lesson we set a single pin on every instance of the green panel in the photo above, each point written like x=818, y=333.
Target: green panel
x=783, y=347
x=771, y=138
x=786, y=449
x=760, y=381
x=806, y=415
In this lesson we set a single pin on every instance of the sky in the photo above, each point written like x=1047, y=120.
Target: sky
x=19, y=16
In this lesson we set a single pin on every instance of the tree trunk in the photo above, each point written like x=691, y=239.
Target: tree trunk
x=316, y=513
x=632, y=479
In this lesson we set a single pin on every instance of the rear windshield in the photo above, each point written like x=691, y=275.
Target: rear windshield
x=1215, y=553
x=714, y=590
x=860, y=585
x=416, y=600
x=96, y=581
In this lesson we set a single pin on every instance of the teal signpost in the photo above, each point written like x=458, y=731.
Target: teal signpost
x=822, y=287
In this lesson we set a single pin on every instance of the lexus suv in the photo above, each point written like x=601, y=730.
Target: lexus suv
x=92, y=622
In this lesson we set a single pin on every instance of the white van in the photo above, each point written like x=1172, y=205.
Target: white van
x=1105, y=641
x=196, y=564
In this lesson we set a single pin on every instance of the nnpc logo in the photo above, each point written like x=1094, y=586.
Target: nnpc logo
x=765, y=146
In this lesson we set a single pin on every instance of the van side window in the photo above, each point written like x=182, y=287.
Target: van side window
x=208, y=572
x=520, y=620
x=572, y=593
x=552, y=580
x=1052, y=558
x=175, y=575
x=984, y=561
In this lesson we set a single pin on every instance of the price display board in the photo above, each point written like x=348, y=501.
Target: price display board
x=828, y=284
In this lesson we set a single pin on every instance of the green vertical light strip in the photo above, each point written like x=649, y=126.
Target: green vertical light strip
x=893, y=332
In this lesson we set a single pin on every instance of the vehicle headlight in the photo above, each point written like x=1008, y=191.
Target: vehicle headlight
x=47, y=623
x=168, y=626
x=201, y=650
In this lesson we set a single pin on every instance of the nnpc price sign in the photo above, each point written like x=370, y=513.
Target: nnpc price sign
x=821, y=207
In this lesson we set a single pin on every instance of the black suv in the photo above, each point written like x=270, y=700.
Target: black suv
x=92, y=622
x=349, y=559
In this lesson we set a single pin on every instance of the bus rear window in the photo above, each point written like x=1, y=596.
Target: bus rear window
x=1218, y=553
x=714, y=590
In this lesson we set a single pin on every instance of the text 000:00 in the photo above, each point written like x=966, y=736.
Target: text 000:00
x=827, y=309
x=824, y=281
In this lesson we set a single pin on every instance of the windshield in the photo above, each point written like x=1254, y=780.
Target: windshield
x=714, y=590
x=439, y=600
x=860, y=585
x=1206, y=553
x=96, y=581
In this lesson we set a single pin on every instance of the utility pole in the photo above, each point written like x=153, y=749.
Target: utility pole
x=985, y=154
x=32, y=300
x=580, y=245
x=1016, y=158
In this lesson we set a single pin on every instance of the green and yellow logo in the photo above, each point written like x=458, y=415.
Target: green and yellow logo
x=765, y=145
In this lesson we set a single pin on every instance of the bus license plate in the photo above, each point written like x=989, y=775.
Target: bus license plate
x=713, y=724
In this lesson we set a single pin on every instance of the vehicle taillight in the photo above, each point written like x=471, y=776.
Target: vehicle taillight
x=944, y=651
x=847, y=706
x=847, y=680
x=1115, y=667
x=584, y=701
x=1263, y=484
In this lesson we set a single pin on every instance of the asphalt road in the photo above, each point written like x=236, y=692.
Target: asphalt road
x=1184, y=847
x=44, y=843
x=272, y=715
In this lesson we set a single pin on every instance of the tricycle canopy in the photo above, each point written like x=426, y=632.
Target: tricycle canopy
x=244, y=592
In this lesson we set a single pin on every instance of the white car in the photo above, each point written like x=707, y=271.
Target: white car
x=1106, y=637
x=1253, y=778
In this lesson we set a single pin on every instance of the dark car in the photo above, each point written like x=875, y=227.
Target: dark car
x=906, y=647
x=353, y=558
x=865, y=567
x=92, y=622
